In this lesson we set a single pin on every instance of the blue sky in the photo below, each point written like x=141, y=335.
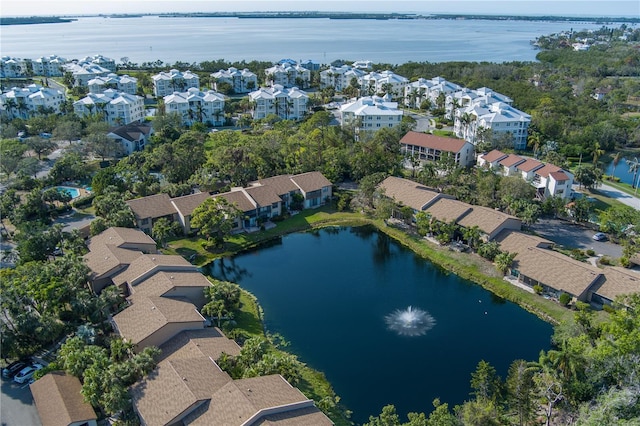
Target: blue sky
x=512, y=7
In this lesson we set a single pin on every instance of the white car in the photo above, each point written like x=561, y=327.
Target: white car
x=600, y=236
x=27, y=373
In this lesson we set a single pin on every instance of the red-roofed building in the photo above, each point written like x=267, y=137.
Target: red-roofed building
x=427, y=147
x=508, y=164
x=491, y=159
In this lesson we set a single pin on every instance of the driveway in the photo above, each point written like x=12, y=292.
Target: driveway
x=623, y=197
x=570, y=236
x=16, y=405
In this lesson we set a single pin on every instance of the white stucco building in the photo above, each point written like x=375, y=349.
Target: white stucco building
x=48, y=66
x=195, y=106
x=99, y=60
x=122, y=83
x=117, y=108
x=429, y=89
x=370, y=114
x=165, y=83
x=287, y=75
x=340, y=77
x=11, y=67
x=83, y=73
x=383, y=82
x=242, y=81
x=31, y=100
x=289, y=104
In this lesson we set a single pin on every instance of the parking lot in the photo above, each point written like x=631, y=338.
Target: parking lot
x=16, y=405
x=572, y=236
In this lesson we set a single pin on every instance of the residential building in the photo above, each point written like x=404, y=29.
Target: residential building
x=411, y=194
x=195, y=106
x=310, y=65
x=536, y=264
x=340, y=77
x=117, y=108
x=429, y=90
x=241, y=81
x=617, y=282
x=288, y=75
x=189, y=285
x=548, y=179
x=32, y=100
x=48, y=66
x=59, y=401
x=316, y=189
x=504, y=122
x=362, y=65
x=99, y=60
x=13, y=67
x=385, y=82
x=185, y=206
x=146, y=266
x=370, y=114
x=131, y=138
x=149, y=209
x=165, y=83
x=288, y=104
x=83, y=73
x=121, y=83
x=428, y=147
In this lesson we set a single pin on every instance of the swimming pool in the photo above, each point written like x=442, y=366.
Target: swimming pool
x=73, y=192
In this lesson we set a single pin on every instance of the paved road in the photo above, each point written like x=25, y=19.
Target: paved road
x=16, y=405
x=623, y=197
x=571, y=236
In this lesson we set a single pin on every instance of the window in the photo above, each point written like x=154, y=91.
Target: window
x=144, y=221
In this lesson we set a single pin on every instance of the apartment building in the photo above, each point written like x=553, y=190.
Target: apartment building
x=122, y=83
x=117, y=108
x=340, y=77
x=31, y=100
x=195, y=106
x=48, y=66
x=165, y=83
x=241, y=81
x=370, y=114
x=289, y=104
x=288, y=75
x=386, y=82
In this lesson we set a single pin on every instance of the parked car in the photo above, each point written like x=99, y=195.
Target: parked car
x=600, y=236
x=14, y=368
x=27, y=373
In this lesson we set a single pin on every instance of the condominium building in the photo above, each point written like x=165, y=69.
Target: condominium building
x=195, y=106
x=31, y=100
x=340, y=77
x=429, y=90
x=122, y=83
x=48, y=66
x=99, y=60
x=370, y=114
x=83, y=73
x=165, y=83
x=287, y=75
x=13, y=67
x=241, y=81
x=289, y=104
x=117, y=108
x=386, y=82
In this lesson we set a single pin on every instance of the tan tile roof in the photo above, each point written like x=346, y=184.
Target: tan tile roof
x=239, y=199
x=146, y=263
x=446, y=210
x=148, y=315
x=494, y=155
x=547, y=169
x=105, y=258
x=240, y=400
x=59, y=401
x=174, y=387
x=439, y=143
x=409, y=193
x=152, y=206
x=488, y=220
x=282, y=184
x=511, y=160
x=311, y=181
x=120, y=237
x=161, y=282
x=548, y=267
x=514, y=244
x=617, y=282
x=207, y=342
x=529, y=165
x=187, y=204
x=308, y=416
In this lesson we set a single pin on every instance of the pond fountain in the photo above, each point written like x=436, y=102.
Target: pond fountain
x=410, y=322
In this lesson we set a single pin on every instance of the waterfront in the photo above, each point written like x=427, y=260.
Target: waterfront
x=189, y=40
x=330, y=293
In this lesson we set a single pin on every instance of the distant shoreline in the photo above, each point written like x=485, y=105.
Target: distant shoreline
x=320, y=15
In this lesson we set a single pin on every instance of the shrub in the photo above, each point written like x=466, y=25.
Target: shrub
x=564, y=299
x=538, y=289
x=591, y=253
x=608, y=308
x=605, y=260
x=84, y=201
x=625, y=262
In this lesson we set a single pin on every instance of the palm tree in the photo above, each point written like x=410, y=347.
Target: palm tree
x=615, y=161
x=535, y=139
x=634, y=166
x=10, y=104
x=596, y=152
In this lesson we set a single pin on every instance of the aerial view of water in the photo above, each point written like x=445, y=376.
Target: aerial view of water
x=151, y=38
x=384, y=325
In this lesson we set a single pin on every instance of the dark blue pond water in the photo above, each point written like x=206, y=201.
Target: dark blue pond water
x=328, y=292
